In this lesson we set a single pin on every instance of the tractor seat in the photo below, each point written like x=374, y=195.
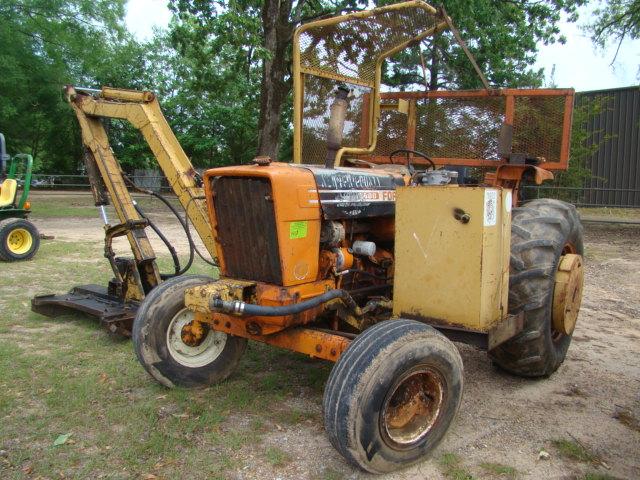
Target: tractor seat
x=8, y=190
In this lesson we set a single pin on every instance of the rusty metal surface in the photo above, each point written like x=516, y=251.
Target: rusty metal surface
x=503, y=331
x=247, y=228
x=198, y=299
x=308, y=341
x=413, y=407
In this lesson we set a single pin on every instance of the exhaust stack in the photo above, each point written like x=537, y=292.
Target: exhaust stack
x=336, y=125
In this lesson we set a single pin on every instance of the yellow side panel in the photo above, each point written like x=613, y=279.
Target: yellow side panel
x=447, y=271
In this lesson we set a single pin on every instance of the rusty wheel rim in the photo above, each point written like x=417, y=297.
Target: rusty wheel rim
x=412, y=407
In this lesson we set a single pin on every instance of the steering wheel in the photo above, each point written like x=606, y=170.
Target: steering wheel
x=416, y=153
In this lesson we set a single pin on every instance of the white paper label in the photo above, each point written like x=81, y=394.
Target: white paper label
x=490, y=207
x=507, y=202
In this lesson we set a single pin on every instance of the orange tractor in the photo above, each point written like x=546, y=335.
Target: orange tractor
x=373, y=249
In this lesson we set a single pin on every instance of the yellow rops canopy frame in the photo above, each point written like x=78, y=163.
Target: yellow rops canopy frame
x=350, y=49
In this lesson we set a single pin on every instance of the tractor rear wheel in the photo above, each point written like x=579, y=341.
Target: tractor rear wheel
x=545, y=284
x=19, y=239
x=166, y=348
x=392, y=395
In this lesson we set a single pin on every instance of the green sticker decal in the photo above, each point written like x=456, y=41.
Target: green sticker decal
x=298, y=229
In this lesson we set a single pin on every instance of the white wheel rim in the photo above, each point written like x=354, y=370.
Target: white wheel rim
x=207, y=351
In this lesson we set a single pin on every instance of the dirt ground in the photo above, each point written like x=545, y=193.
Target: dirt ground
x=593, y=400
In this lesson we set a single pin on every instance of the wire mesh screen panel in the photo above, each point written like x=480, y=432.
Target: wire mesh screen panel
x=459, y=127
x=537, y=127
x=350, y=49
x=318, y=95
x=394, y=124
x=464, y=127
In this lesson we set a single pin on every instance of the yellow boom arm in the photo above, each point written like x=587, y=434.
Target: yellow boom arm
x=142, y=110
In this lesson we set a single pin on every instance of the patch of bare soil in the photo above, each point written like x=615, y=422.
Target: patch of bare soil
x=503, y=419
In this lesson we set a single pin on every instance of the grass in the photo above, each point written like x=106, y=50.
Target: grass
x=69, y=376
x=53, y=207
x=49, y=205
x=329, y=474
x=277, y=457
x=574, y=451
x=500, y=470
x=620, y=213
x=450, y=465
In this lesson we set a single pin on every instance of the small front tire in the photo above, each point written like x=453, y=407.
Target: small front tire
x=159, y=345
x=19, y=240
x=392, y=395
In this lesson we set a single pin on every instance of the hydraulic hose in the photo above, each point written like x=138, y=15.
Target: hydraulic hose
x=165, y=240
x=241, y=308
x=188, y=232
x=184, y=227
x=192, y=246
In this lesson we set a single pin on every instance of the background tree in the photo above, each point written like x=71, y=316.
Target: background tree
x=615, y=21
x=261, y=34
x=43, y=45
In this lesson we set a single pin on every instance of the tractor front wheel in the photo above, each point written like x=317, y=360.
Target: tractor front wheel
x=19, y=239
x=167, y=347
x=392, y=395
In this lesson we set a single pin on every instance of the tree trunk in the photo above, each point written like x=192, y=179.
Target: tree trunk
x=274, y=89
x=434, y=68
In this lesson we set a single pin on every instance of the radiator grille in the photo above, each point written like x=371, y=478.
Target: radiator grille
x=246, y=228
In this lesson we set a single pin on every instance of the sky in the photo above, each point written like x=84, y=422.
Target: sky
x=578, y=64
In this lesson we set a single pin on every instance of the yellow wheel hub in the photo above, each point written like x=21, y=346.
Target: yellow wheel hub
x=567, y=293
x=19, y=241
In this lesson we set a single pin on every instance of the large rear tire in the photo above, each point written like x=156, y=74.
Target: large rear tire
x=542, y=231
x=19, y=240
x=392, y=395
x=159, y=345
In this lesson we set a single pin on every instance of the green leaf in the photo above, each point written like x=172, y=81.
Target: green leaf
x=61, y=440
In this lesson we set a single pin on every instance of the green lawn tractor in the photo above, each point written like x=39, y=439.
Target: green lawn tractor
x=19, y=238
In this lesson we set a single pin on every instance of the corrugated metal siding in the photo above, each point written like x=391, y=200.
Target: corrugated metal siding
x=615, y=165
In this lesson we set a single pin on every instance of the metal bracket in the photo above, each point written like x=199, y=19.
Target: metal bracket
x=506, y=329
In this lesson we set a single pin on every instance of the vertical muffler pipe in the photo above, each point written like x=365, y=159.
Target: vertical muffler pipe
x=336, y=125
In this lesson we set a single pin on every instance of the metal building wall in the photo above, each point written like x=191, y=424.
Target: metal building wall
x=615, y=165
